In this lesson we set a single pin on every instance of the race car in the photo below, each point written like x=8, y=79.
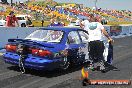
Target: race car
x=48, y=49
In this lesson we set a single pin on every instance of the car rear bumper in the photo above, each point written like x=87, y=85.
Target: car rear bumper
x=32, y=62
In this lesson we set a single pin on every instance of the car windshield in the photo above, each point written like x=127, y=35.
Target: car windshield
x=46, y=35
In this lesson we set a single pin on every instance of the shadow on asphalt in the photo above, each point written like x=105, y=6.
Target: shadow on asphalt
x=48, y=74
x=59, y=72
x=110, y=67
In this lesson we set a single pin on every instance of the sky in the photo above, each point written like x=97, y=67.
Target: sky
x=109, y=4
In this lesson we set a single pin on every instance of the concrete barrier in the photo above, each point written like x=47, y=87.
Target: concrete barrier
x=107, y=27
x=17, y=32
x=125, y=30
x=20, y=32
x=130, y=29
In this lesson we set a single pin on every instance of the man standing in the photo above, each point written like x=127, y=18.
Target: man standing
x=42, y=21
x=11, y=19
x=96, y=46
x=29, y=22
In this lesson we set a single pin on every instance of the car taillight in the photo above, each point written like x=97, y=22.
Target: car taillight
x=11, y=48
x=34, y=51
x=41, y=53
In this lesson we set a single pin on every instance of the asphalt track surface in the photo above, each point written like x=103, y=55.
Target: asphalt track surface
x=11, y=77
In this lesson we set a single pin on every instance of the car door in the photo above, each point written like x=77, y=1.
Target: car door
x=83, y=49
x=75, y=44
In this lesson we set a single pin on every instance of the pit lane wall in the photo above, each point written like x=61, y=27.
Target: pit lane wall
x=19, y=32
x=14, y=32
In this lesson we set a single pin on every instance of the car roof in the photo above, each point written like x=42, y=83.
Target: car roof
x=66, y=29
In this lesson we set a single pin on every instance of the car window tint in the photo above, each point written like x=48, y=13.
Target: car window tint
x=73, y=38
x=20, y=18
x=84, y=36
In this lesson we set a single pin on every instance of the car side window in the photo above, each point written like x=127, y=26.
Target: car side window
x=83, y=35
x=73, y=38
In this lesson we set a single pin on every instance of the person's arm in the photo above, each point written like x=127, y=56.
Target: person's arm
x=7, y=21
x=17, y=21
x=107, y=35
x=82, y=24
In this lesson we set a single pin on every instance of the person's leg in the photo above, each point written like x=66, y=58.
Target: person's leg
x=92, y=53
x=110, y=54
x=99, y=54
x=100, y=50
x=91, y=50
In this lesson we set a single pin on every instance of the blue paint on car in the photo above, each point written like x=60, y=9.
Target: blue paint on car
x=59, y=48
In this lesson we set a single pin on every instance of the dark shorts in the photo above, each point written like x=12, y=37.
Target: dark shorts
x=96, y=49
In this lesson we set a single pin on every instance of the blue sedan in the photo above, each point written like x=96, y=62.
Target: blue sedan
x=49, y=48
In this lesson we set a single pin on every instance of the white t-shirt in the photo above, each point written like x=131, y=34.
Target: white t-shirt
x=94, y=30
x=77, y=22
x=85, y=23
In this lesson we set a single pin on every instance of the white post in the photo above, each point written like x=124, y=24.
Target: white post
x=96, y=4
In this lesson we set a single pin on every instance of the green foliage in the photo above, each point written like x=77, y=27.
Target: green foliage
x=44, y=3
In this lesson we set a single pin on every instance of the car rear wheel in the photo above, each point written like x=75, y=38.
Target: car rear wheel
x=65, y=64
